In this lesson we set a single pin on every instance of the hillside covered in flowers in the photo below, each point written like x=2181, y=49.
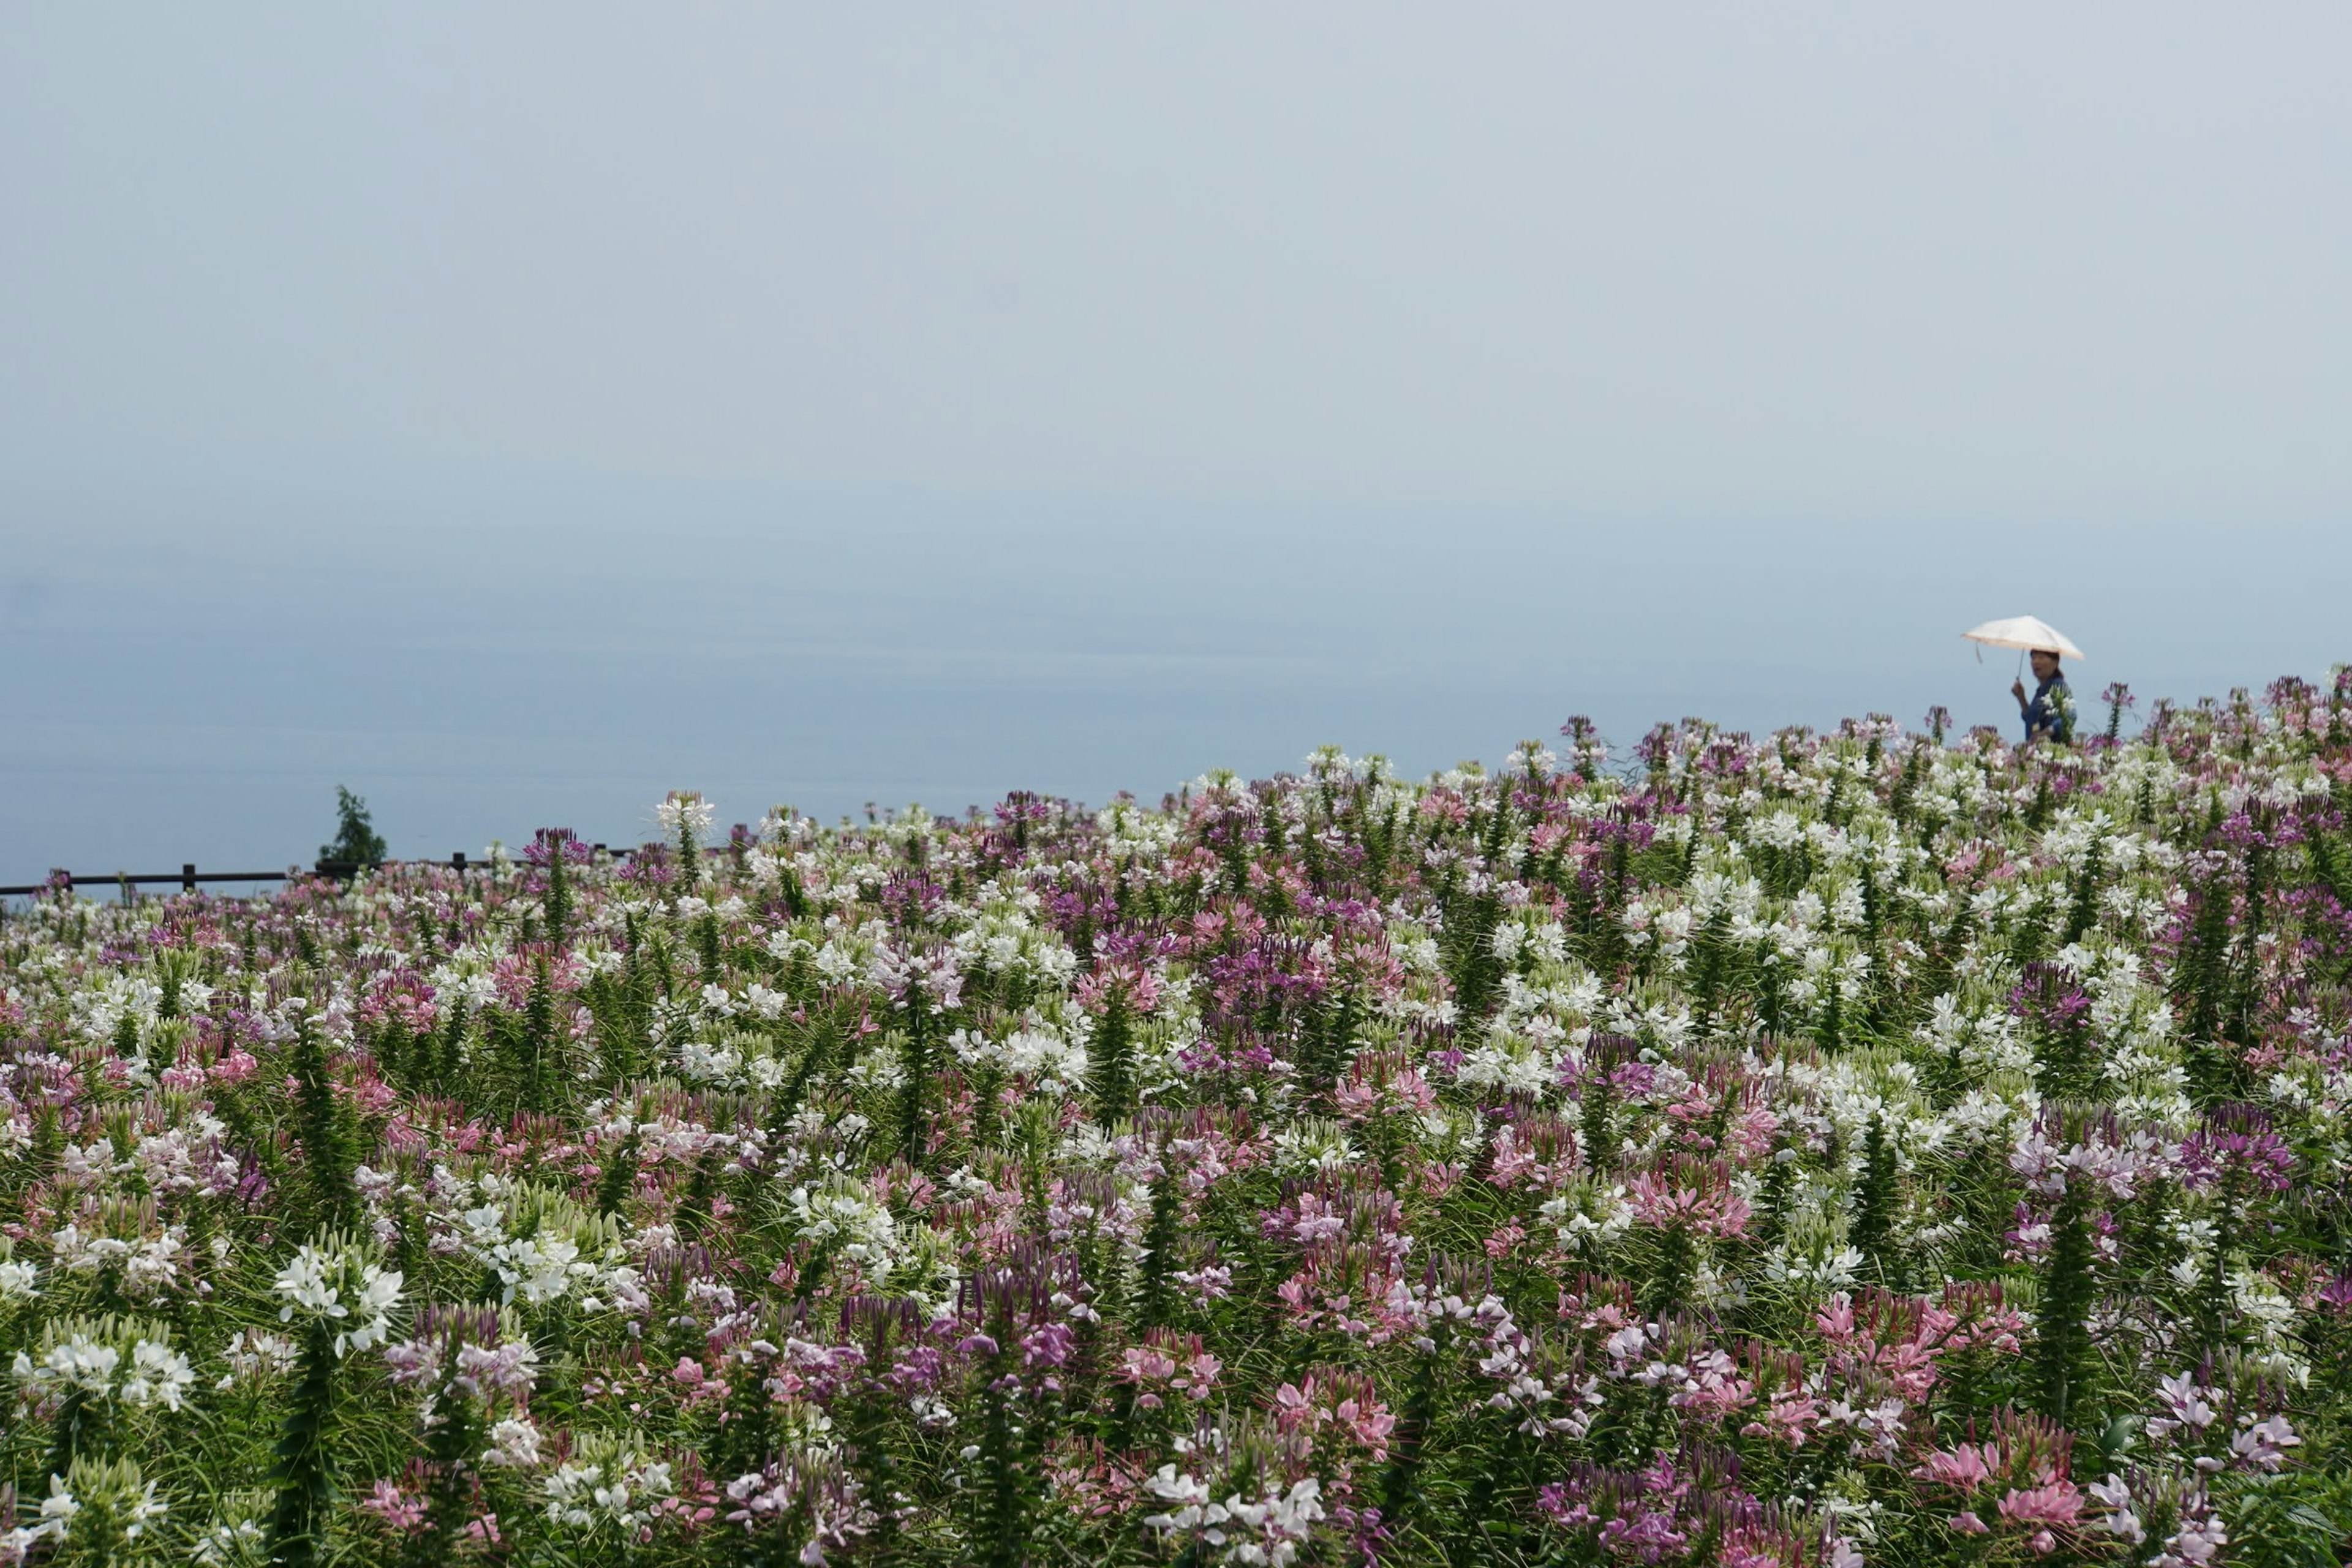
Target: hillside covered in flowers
x=1826, y=1148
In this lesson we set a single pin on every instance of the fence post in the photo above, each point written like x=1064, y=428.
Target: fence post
x=188, y=876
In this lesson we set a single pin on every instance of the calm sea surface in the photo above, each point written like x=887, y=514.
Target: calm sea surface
x=188, y=669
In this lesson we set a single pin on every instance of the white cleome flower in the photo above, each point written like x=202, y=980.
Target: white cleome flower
x=339, y=1285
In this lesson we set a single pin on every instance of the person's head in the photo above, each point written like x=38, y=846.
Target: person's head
x=2046, y=664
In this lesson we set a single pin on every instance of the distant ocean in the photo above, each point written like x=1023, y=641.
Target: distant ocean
x=189, y=667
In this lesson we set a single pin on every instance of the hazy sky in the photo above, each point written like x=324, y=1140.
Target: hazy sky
x=515, y=411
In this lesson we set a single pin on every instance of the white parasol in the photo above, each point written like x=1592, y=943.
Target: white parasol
x=2028, y=632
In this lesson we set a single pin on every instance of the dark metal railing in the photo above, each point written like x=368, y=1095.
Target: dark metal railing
x=187, y=876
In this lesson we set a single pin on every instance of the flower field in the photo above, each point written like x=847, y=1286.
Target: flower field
x=1868, y=1146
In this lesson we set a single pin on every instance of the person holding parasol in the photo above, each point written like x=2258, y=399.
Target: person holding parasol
x=2049, y=713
